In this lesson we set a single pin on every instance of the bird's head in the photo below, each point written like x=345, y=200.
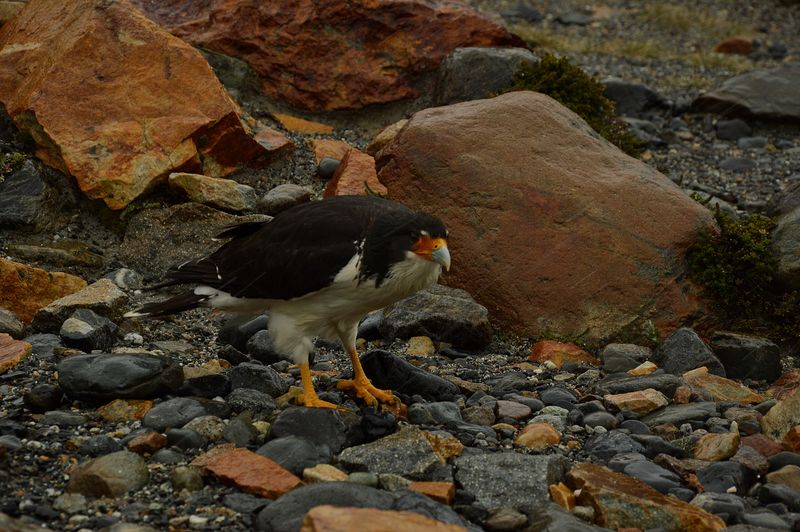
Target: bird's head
x=429, y=237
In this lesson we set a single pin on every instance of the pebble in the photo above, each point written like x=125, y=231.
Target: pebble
x=391, y=372
x=210, y=427
x=43, y=397
x=173, y=413
x=257, y=377
x=9, y=324
x=111, y=475
x=294, y=453
x=538, y=436
x=185, y=439
x=407, y=452
x=87, y=331
x=186, y=477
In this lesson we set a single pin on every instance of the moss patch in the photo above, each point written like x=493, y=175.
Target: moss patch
x=575, y=89
x=736, y=269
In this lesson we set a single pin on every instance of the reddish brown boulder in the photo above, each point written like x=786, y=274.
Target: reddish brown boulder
x=115, y=100
x=26, y=289
x=551, y=227
x=332, y=55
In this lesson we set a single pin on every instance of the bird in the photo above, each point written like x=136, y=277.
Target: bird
x=317, y=268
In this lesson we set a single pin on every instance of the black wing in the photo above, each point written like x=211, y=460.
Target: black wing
x=300, y=251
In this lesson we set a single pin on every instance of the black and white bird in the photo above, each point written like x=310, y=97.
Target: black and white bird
x=318, y=268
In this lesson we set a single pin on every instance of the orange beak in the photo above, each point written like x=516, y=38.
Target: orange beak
x=433, y=249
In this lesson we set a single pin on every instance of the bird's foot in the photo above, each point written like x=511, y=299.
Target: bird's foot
x=368, y=392
x=312, y=401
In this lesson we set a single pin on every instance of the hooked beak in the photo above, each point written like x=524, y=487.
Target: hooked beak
x=442, y=256
x=433, y=249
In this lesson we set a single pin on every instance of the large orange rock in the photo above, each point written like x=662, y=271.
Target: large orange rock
x=332, y=55
x=25, y=289
x=115, y=100
x=552, y=228
x=355, y=176
x=621, y=501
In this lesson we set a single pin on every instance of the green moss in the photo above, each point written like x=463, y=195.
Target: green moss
x=736, y=270
x=10, y=162
x=575, y=89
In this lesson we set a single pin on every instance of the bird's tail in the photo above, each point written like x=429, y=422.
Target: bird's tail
x=173, y=305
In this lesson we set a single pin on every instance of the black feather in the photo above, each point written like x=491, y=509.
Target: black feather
x=179, y=303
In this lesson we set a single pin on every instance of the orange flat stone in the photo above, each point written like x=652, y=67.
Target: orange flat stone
x=355, y=176
x=335, y=149
x=538, y=436
x=147, y=443
x=12, y=352
x=328, y=518
x=301, y=125
x=253, y=473
x=560, y=353
x=443, y=492
x=720, y=388
x=276, y=143
x=445, y=447
x=213, y=454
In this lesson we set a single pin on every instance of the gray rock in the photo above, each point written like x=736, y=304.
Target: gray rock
x=295, y=453
x=478, y=415
x=43, y=397
x=240, y=430
x=173, y=413
x=238, y=330
x=719, y=503
x=261, y=347
x=101, y=378
x=63, y=419
x=10, y=442
x=286, y=514
x=769, y=493
x=665, y=383
x=558, y=397
x=28, y=201
x=654, y=475
x=678, y=414
x=125, y=278
x=71, y=503
x=369, y=328
x=45, y=345
x=210, y=427
x=476, y=73
x=553, y=518
x=111, y=475
x=442, y=313
x=259, y=404
x=747, y=357
x=439, y=413
x=326, y=428
x=620, y=461
x=765, y=520
x=607, y=445
x=732, y=129
x=684, y=350
x=327, y=167
x=186, y=477
x=766, y=94
x=62, y=253
x=185, y=439
x=283, y=197
x=505, y=519
x=10, y=325
x=737, y=164
x=87, y=331
x=406, y=452
x=786, y=243
x=632, y=99
x=388, y=371
x=619, y=358
x=257, y=377
x=752, y=143
x=100, y=445
x=720, y=477
x=601, y=419
x=509, y=479
x=102, y=297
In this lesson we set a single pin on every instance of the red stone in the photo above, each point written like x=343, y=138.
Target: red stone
x=328, y=518
x=792, y=439
x=765, y=445
x=333, y=54
x=560, y=353
x=253, y=473
x=114, y=100
x=735, y=45
x=558, y=231
x=355, y=175
x=12, y=352
x=147, y=443
x=443, y=492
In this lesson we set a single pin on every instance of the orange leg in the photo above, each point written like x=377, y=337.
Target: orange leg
x=309, y=397
x=363, y=387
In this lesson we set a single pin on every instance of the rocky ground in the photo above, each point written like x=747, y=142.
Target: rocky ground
x=191, y=423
